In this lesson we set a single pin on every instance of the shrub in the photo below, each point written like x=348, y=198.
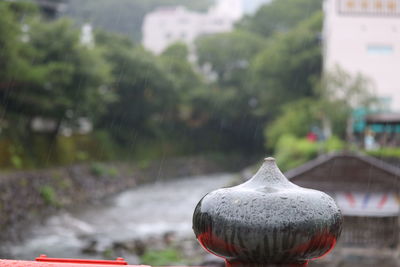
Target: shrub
x=161, y=257
x=48, y=195
x=112, y=172
x=98, y=169
x=291, y=152
x=388, y=152
x=102, y=170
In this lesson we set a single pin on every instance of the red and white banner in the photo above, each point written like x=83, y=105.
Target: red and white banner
x=368, y=204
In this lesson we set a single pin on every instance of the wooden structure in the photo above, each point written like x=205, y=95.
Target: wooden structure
x=367, y=191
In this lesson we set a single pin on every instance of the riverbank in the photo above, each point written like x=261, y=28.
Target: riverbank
x=148, y=224
x=29, y=197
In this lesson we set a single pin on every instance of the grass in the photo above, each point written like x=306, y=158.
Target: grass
x=48, y=195
x=161, y=257
x=102, y=170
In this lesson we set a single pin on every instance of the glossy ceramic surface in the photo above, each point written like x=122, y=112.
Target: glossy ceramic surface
x=267, y=220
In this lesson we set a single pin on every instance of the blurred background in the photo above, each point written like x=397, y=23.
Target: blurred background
x=104, y=104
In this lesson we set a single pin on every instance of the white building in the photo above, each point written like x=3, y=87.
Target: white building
x=168, y=25
x=87, y=38
x=363, y=36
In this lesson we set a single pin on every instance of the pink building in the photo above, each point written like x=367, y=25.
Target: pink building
x=363, y=36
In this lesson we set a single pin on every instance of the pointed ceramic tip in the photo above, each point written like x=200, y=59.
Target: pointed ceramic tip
x=269, y=159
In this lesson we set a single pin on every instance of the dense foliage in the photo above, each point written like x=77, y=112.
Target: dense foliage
x=255, y=88
x=280, y=16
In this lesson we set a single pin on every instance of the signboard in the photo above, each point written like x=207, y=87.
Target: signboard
x=369, y=7
x=368, y=204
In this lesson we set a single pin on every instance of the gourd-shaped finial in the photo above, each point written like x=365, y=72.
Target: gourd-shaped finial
x=266, y=221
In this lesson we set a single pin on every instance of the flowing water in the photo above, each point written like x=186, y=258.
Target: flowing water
x=147, y=210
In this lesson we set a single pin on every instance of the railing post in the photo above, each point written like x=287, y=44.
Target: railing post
x=267, y=221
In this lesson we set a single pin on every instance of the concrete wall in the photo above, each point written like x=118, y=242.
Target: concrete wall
x=363, y=36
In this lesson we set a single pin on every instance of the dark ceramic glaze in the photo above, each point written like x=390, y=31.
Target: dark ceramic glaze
x=267, y=220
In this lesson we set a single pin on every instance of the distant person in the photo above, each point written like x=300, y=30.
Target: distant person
x=312, y=137
x=369, y=141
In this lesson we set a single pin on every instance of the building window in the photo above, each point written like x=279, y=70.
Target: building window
x=380, y=49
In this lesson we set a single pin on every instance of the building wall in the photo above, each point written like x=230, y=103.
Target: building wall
x=168, y=25
x=363, y=36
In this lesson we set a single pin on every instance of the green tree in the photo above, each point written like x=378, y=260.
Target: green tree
x=229, y=55
x=14, y=67
x=9, y=33
x=176, y=64
x=67, y=81
x=229, y=100
x=339, y=93
x=145, y=92
x=186, y=81
x=296, y=119
x=288, y=67
x=279, y=16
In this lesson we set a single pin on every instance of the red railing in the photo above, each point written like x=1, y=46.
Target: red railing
x=44, y=261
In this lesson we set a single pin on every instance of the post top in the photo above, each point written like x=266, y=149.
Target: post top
x=259, y=222
x=269, y=159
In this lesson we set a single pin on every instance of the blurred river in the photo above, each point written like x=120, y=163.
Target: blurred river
x=147, y=210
